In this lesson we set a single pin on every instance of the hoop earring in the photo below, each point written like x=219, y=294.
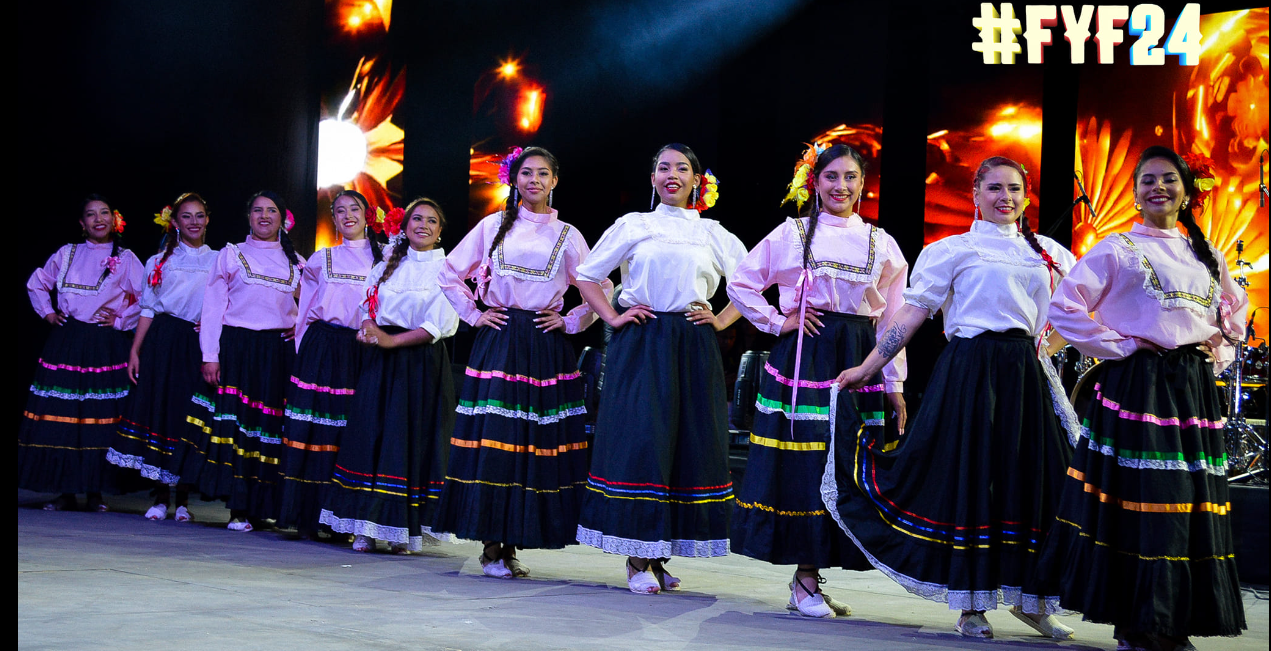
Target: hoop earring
x=1184, y=206
x=1138, y=206
x=549, y=199
x=652, y=200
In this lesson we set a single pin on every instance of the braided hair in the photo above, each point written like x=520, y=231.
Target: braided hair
x=695, y=164
x=1001, y=161
x=812, y=210
x=283, y=239
x=510, y=207
x=115, y=237
x=1196, y=237
x=170, y=239
x=399, y=251
x=376, y=255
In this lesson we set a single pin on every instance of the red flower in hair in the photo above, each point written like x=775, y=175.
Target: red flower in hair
x=393, y=221
x=1202, y=168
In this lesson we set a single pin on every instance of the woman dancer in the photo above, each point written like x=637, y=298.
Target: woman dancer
x=1143, y=539
x=164, y=364
x=518, y=457
x=659, y=484
x=840, y=279
x=249, y=318
x=328, y=362
x=959, y=511
x=82, y=377
x=388, y=472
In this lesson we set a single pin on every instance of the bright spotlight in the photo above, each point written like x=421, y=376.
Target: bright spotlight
x=341, y=152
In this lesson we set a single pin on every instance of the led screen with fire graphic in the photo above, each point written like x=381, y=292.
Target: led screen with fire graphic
x=1217, y=109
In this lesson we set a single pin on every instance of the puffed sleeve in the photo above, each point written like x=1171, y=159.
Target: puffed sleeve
x=461, y=264
x=215, y=303
x=1081, y=292
x=582, y=316
x=148, y=296
x=440, y=318
x=132, y=285
x=312, y=284
x=891, y=284
x=755, y=273
x=932, y=279
x=727, y=249
x=42, y=281
x=612, y=249
x=372, y=278
x=1233, y=314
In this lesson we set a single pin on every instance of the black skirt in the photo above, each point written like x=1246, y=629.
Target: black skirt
x=153, y=435
x=73, y=409
x=659, y=484
x=518, y=456
x=239, y=425
x=1143, y=539
x=958, y=512
x=392, y=459
x=318, y=399
x=779, y=516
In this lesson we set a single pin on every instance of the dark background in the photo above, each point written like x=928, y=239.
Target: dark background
x=145, y=99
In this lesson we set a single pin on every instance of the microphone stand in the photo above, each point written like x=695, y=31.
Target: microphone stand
x=1083, y=198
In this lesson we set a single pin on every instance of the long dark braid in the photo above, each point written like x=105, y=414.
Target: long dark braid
x=283, y=239
x=1200, y=245
x=171, y=238
x=510, y=206
x=812, y=210
x=1024, y=229
x=376, y=255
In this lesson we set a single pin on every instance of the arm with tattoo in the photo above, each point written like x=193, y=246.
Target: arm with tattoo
x=897, y=333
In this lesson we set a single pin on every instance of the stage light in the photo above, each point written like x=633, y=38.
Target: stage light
x=530, y=112
x=509, y=68
x=355, y=21
x=937, y=134
x=1010, y=110
x=366, y=8
x=1001, y=129
x=341, y=152
x=1027, y=131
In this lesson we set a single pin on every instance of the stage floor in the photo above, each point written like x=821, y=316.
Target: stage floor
x=116, y=581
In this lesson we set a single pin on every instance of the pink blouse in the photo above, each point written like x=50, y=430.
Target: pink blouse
x=530, y=270
x=1147, y=284
x=856, y=269
x=75, y=271
x=251, y=285
x=331, y=288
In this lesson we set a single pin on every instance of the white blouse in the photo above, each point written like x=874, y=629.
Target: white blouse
x=184, y=279
x=411, y=297
x=671, y=258
x=988, y=279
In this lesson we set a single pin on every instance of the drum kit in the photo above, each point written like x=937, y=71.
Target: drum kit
x=1243, y=385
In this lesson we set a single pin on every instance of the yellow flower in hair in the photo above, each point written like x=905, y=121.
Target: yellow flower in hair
x=1027, y=202
x=710, y=189
x=1206, y=184
x=164, y=217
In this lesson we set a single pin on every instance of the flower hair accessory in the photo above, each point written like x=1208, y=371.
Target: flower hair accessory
x=505, y=166
x=803, y=183
x=290, y=222
x=111, y=263
x=709, y=192
x=164, y=218
x=376, y=219
x=391, y=224
x=119, y=225
x=1202, y=168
